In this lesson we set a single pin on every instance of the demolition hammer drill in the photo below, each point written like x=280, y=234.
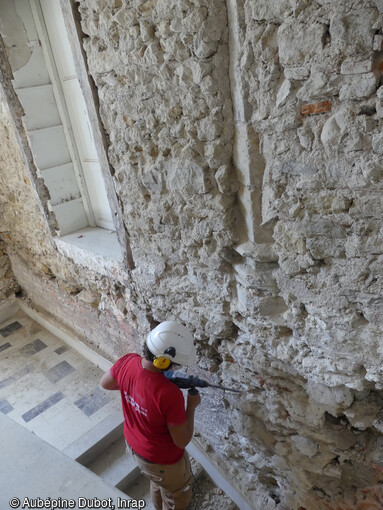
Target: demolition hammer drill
x=192, y=382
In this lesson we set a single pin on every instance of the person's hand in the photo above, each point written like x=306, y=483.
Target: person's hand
x=194, y=400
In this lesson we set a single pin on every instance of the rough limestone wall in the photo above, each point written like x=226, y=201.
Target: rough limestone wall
x=8, y=283
x=303, y=438
x=161, y=71
x=310, y=75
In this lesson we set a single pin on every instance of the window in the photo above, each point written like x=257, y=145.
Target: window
x=60, y=131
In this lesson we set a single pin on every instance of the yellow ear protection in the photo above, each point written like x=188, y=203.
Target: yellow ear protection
x=163, y=362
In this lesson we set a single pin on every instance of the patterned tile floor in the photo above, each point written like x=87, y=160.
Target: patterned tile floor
x=48, y=387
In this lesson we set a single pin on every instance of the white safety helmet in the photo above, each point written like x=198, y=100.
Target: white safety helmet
x=172, y=341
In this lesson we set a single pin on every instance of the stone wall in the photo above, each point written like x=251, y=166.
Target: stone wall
x=8, y=284
x=309, y=75
x=170, y=152
x=245, y=143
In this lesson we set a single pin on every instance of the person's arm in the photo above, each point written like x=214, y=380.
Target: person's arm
x=108, y=382
x=182, y=434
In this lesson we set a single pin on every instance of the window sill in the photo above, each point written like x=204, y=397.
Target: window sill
x=92, y=247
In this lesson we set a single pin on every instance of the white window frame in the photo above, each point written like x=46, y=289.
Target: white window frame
x=102, y=238
x=52, y=32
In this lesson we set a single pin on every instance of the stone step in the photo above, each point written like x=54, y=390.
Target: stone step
x=102, y=450
x=98, y=439
x=115, y=466
x=44, y=471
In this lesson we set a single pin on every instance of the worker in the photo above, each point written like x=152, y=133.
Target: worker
x=157, y=427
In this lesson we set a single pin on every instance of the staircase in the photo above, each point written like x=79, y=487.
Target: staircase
x=103, y=451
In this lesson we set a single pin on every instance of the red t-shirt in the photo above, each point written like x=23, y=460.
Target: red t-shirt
x=150, y=402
